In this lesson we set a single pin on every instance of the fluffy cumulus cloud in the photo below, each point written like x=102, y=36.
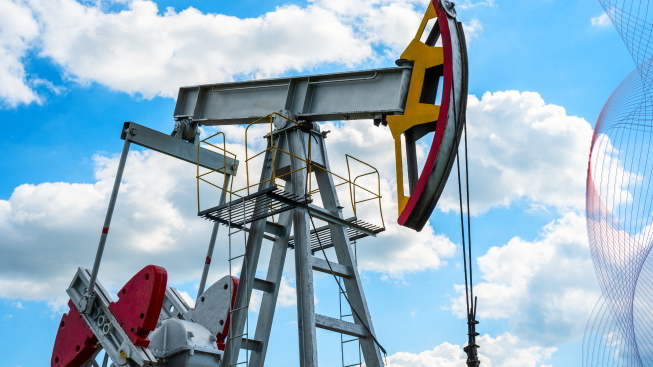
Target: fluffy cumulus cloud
x=521, y=148
x=503, y=351
x=546, y=288
x=143, y=50
x=48, y=230
x=397, y=250
x=18, y=30
x=601, y=21
x=469, y=4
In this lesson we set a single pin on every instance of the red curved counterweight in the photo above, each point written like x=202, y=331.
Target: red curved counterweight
x=75, y=342
x=137, y=310
x=140, y=302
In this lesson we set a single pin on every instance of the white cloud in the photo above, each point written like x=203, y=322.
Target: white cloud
x=472, y=29
x=521, y=148
x=18, y=305
x=503, y=351
x=287, y=294
x=155, y=222
x=18, y=29
x=190, y=301
x=155, y=219
x=601, y=21
x=546, y=288
x=146, y=51
x=468, y=4
x=141, y=51
x=418, y=250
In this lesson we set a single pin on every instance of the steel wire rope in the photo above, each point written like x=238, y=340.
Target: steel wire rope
x=472, y=357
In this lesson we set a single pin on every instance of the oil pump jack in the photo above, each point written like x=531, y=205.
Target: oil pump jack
x=150, y=324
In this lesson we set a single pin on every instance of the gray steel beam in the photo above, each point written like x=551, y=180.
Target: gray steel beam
x=180, y=149
x=274, y=274
x=330, y=217
x=345, y=255
x=249, y=344
x=339, y=270
x=264, y=285
x=339, y=326
x=303, y=264
x=247, y=274
x=86, y=302
x=350, y=95
x=214, y=236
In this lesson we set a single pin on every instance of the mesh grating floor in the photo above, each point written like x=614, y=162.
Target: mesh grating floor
x=261, y=204
x=324, y=235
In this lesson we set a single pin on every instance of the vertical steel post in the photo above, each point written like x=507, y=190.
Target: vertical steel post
x=303, y=263
x=105, y=230
x=214, y=235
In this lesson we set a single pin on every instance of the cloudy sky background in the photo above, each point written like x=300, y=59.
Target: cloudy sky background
x=71, y=72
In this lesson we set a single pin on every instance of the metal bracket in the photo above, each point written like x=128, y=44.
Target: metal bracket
x=104, y=325
x=177, y=148
x=173, y=305
x=449, y=7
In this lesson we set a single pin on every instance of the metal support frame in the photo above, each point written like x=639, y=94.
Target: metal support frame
x=86, y=302
x=85, y=291
x=366, y=94
x=214, y=235
x=346, y=257
x=305, y=263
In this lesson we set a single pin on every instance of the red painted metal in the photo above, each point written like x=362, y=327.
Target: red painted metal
x=207, y=260
x=105, y=230
x=140, y=302
x=443, y=117
x=235, y=283
x=75, y=342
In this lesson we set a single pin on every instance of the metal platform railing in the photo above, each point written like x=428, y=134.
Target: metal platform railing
x=276, y=201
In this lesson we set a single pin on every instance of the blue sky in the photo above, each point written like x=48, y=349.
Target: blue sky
x=540, y=72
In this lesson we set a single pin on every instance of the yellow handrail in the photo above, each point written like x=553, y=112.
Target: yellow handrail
x=308, y=165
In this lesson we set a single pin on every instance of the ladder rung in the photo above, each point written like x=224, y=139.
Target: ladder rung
x=236, y=364
x=263, y=285
x=339, y=326
x=274, y=228
x=250, y=344
x=355, y=364
x=239, y=256
x=350, y=340
x=338, y=269
x=346, y=315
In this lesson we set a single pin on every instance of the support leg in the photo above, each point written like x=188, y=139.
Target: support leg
x=345, y=255
x=247, y=274
x=269, y=301
x=303, y=264
x=214, y=235
x=87, y=301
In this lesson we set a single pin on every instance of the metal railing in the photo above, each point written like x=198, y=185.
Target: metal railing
x=306, y=164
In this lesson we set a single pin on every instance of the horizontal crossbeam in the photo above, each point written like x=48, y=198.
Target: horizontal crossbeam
x=351, y=95
x=177, y=148
x=339, y=326
x=338, y=269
